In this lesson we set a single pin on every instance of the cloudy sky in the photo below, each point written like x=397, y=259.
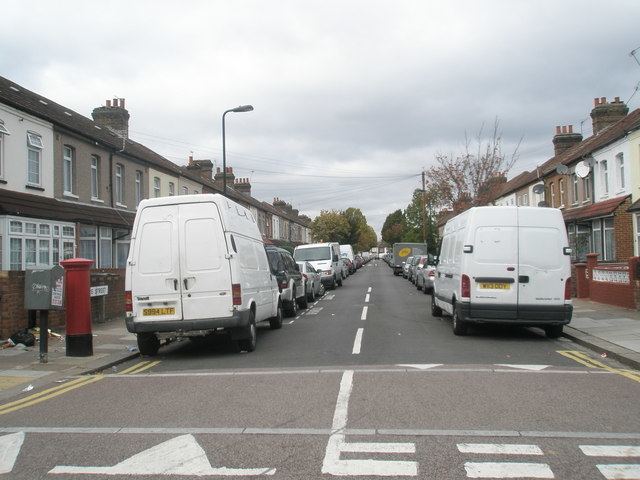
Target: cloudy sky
x=352, y=98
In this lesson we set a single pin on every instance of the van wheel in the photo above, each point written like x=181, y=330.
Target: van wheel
x=553, y=331
x=340, y=281
x=148, y=344
x=459, y=327
x=418, y=286
x=303, y=302
x=333, y=283
x=436, y=311
x=249, y=344
x=292, y=306
x=312, y=295
x=276, y=322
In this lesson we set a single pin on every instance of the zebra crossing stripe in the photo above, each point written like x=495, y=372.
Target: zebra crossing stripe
x=610, y=451
x=378, y=447
x=507, y=470
x=499, y=449
x=620, y=472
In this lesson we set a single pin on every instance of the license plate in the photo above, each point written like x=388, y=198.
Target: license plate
x=495, y=286
x=151, y=312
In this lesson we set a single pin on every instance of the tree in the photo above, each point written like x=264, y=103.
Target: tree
x=421, y=222
x=394, y=227
x=330, y=226
x=471, y=178
x=357, y=225
x=367, y=239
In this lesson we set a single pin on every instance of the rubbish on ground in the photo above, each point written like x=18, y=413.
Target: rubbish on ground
x=24, y=336
x=7, y=344
x=28, y=388
x=603, y=354
x=132, y=348
x=20, y=346
x=114, y=369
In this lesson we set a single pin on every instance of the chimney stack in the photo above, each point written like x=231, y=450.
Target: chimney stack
x=218, y=178
x=203, y=167
x=605, y=114
x=564, y=139
x=242, y=185
x=113, y=116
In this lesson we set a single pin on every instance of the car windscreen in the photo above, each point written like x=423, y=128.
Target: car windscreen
x=312, y=254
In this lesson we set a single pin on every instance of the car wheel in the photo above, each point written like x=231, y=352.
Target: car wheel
x=436, y=311
x=418, y=286
x=553, y=331
x=459, y=326
x=276, y=322
x=340, y=281
x=249, y=344
x=148, y=344
x=425, y=290
x=312, y=294
x=302, y=301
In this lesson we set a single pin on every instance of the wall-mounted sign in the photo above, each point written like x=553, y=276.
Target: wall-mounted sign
x=99, y=291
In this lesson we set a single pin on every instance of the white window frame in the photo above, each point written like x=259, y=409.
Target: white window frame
x=67, y=170
x=185, y=190
x=586, y=189
x=138, y=187
x=35, y=146
x=84, y=237
x=157, y=192
x=172, y=189
x=552, y=188
x=604, y=177
x=574, y=184
x=637, y=235
x=120, y=184
x=95, y=177
x=620, y=171
x=3, y=132
x=561, y=192
x=195, y=192
x=41, y=233
x=106, y=235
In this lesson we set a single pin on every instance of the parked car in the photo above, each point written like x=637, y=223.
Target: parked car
x=413, y=266
x=418, y=264
x=351, y=267
x=405, y=267
x=346, y=251
x=289, y=279
x=313, y=286
x=424, y=278
x=196, y=267
x=505, y=265
x=325, y=257
x=358, y=261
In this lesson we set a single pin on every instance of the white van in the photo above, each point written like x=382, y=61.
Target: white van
x=324, y=257
x=508, y=265
x=346, y=251
x=197, y=265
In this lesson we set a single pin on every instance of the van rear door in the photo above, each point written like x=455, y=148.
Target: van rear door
x=206, y=273
x=155, y=268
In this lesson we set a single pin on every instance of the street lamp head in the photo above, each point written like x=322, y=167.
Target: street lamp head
x=243, y=108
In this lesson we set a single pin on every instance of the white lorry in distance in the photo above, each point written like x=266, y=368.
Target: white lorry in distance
x=197, y=265
x=505, y=265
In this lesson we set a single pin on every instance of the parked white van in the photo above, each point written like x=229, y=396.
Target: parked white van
x=324, y=257
x=508, y=265
x=197, y=265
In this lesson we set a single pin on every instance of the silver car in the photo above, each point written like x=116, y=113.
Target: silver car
x=424, y=278
x=312, y=279
x=405, y=267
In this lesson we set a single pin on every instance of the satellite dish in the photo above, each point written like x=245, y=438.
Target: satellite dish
x=582, y=169
x=562, y=169
x=539, y=188
x=542, y=204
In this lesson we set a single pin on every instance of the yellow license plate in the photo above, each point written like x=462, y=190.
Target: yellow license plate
x=151, y=312
x=495, y=286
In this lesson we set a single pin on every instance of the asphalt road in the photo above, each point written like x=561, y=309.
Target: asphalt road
x=364, y=383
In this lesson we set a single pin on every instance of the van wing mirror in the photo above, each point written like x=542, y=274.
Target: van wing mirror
x=467, y=249
x=566, y=250
x=335, y=258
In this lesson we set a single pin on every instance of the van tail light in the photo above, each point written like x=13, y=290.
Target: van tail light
x=128, y=301
x=465, y=286
x=283, y=284
x=236, y=293
x=567, y=289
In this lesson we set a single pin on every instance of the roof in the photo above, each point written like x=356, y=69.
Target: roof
x=600, y=209
x=635, y=206
x=28, y=205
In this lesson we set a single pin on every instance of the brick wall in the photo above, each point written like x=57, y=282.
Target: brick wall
x=623, y=228
x=13, y=316
x=625, y=295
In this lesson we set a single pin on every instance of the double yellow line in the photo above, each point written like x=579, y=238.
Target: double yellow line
x=48, y=394
x=139, y=367
x=587, y=361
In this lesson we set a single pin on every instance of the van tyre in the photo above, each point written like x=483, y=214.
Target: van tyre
x=436, y=311
x=459, y=326
x=249, y=344
x=553, y=331
x=148, y=344
x=276, y=322
x=292, y=306
x=312, y=294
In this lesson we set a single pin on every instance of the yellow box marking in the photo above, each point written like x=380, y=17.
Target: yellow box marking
x=7, y=382
x=139, y=367
x=586, y=360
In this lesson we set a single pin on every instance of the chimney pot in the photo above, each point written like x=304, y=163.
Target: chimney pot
x=603, y=100
x=570, y=129
x=122, y=102
x=108, y=103
x=617, y=99
x=115, y=102
x=558, y=130
x=564, y=129
x=596, y=101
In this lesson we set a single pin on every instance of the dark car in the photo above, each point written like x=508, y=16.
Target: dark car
x=289, y=278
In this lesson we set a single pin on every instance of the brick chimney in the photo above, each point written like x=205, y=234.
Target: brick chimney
x=280, y=204
x=218, y=178
x=564, y=139
x=605, y=114
x=242, y=185
x=203, y=167
x=113, y=116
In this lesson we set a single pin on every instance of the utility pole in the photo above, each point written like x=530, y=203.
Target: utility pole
x=424, y=206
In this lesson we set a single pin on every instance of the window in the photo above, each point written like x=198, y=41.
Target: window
x=29, y=253
x=552, y=187
x=138, y=187
x=34, y=149
x=68, y=249
x=43, y=252
x=604, y=177
x=525, y=200
x=95, y=177
x=55, y=251
x=586, y=188
x=119, y=184
x=637, y=233
x=3, y=132
x=185, y=190
x=195, y=192
x=68, y=232
x=15, y=248
x=574, y=190
x=562, y=192
x=88, y=242
x=172, y=189
x=603, y=238
x=30, y=228
x=67, y=169
x=44, y=230
x=156, y=187
x=620, y=170
x=105, y=248
x=15, y=226
x=122, y=240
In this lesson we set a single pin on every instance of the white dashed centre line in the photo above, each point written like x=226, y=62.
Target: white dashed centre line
x=369, y=290
x=364, y=313
x=366, y=298
x=358, y=341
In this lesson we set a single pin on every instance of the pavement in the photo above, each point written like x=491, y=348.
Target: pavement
x=608, y=330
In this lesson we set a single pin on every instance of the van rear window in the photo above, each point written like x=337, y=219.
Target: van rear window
x=203, y=249
x=496, y=245
x=155, y=248
x=540, y=247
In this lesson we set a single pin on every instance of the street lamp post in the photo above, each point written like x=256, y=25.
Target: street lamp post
x=241, y=108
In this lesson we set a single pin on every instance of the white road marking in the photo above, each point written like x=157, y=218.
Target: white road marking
x=378, y=447
x=507, y=470
x=366, y=298
x=364, y=313
x=499, y=449
x=420, y=366
x=330, y=297
x=178, y=456
x=357, y=342
x=10, y=446
x=534, y=368
x=369, y=290
x=314, y=311
x=620, y=472
x=332, y=464
x=610, y=451
x=289, y=323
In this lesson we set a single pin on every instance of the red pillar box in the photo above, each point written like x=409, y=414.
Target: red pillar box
x=78, y=305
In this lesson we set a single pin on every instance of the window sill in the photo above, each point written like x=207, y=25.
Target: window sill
x=34, y=187
x=70, y=195
x=97, y=200
x=121, y=205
